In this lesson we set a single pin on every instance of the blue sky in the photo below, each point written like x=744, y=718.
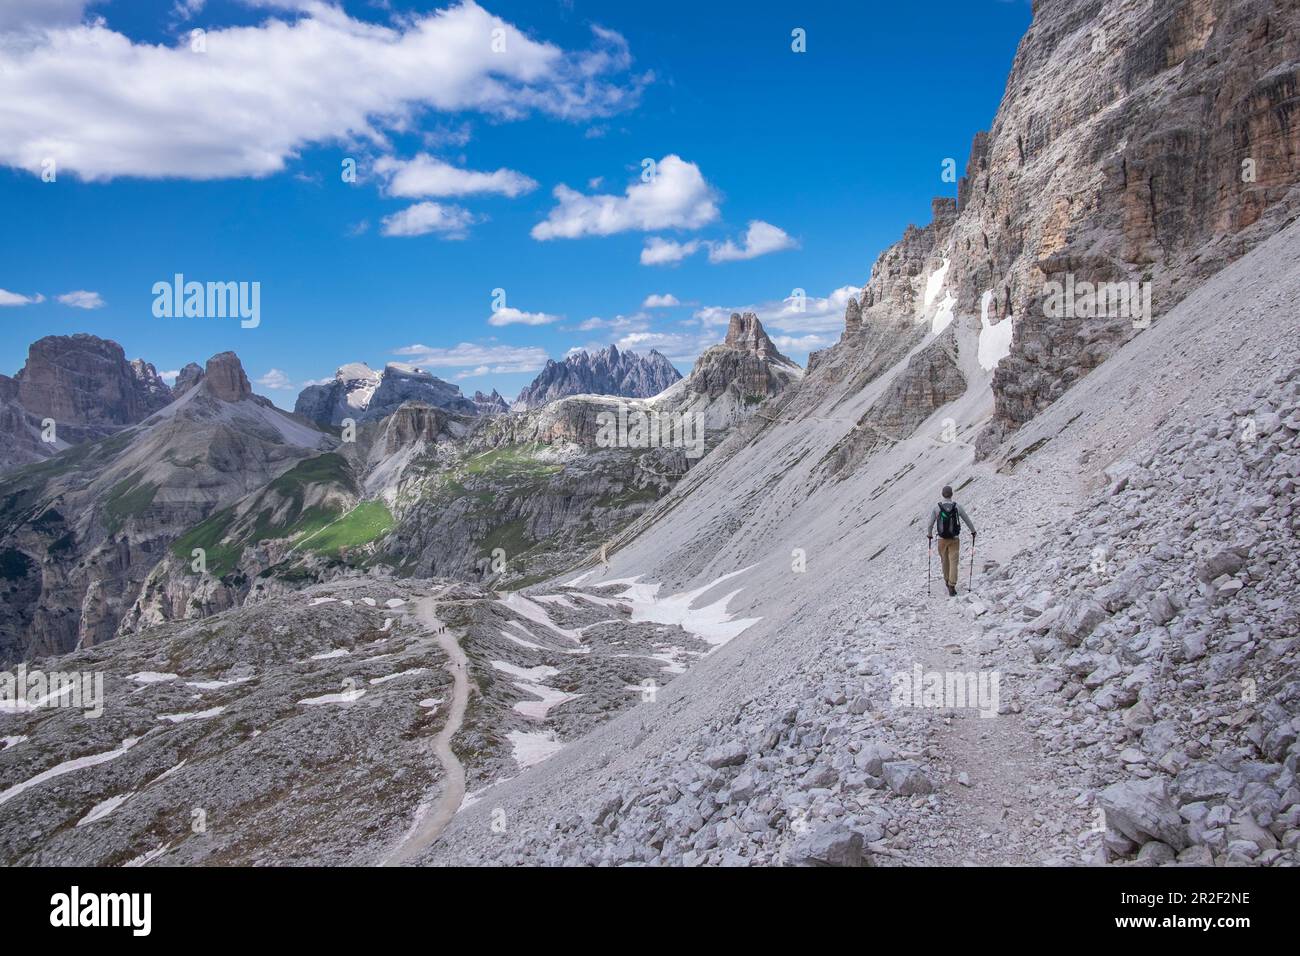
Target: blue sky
x=220, y=157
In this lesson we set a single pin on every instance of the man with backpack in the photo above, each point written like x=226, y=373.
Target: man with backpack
x=948, y=515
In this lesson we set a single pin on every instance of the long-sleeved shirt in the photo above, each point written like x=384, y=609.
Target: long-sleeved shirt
x=934, y=518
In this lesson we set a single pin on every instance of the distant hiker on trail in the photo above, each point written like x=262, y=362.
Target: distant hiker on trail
x=946, y=514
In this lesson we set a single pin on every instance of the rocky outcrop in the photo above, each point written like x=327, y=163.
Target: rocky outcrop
x=224, y=378
x=1168, y=162
x=931, y=379
x=85, y=385
x=411, y=423
x=347, y=396
x=150, y=384
x=20, y=441
x=85, y=380
x=898, y=286
x=607, y=372
x=187, y=378
x=906, y=297
x=360, y=393
x=747, y=364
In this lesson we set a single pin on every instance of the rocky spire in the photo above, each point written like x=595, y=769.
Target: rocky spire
x=187, y=378
x=225, y=378
x=853, y=317
x=746, y=333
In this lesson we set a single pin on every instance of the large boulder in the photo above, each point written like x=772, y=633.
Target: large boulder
x=1142, y=810
x=831, y=844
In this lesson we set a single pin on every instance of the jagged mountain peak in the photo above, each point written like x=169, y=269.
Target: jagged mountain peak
x=746, y=332
x=606, y=371
x=493, y=404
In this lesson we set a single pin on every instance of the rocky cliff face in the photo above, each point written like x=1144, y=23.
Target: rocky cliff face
x=1137, y=142
x=82, y=382
x=20, y=437
x=607, y=372
x=362, y=394
x=85, y=380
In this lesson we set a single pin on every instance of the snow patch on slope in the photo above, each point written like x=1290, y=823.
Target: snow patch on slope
x=68, y=766
x=934, y=285
x=533, y=748
x=711, y=623
x=995, y=340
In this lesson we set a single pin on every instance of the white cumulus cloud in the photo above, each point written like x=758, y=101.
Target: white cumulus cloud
x=666, y=252
x=619, y=323
x=426, y=217
x=101, y=104
x=511, y=316
x=425, y=175
x=803, y=343
x=760, y=239
x=81, y=299
x=14, y=298
x=676, y=197
x=275, y=379
x=795, y=314
x=498, y=359
x=684, y=347
x=660, y=301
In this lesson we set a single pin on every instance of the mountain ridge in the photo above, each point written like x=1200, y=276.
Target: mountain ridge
x=605, y=372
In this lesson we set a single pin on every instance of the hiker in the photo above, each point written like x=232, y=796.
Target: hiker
x=946, y=514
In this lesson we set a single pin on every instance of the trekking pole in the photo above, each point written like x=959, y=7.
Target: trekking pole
x=929, y=550
x=971, y=580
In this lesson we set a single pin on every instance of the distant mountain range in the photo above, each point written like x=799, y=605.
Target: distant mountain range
x=364, y=395
x=101, y=539
x=606, y=372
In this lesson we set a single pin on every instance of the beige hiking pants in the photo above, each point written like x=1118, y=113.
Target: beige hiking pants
x=948, y=560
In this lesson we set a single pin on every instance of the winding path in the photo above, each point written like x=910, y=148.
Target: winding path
x=428, y=827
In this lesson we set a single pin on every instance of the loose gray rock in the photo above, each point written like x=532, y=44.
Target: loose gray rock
x=1143, y=811
x=831, y=844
